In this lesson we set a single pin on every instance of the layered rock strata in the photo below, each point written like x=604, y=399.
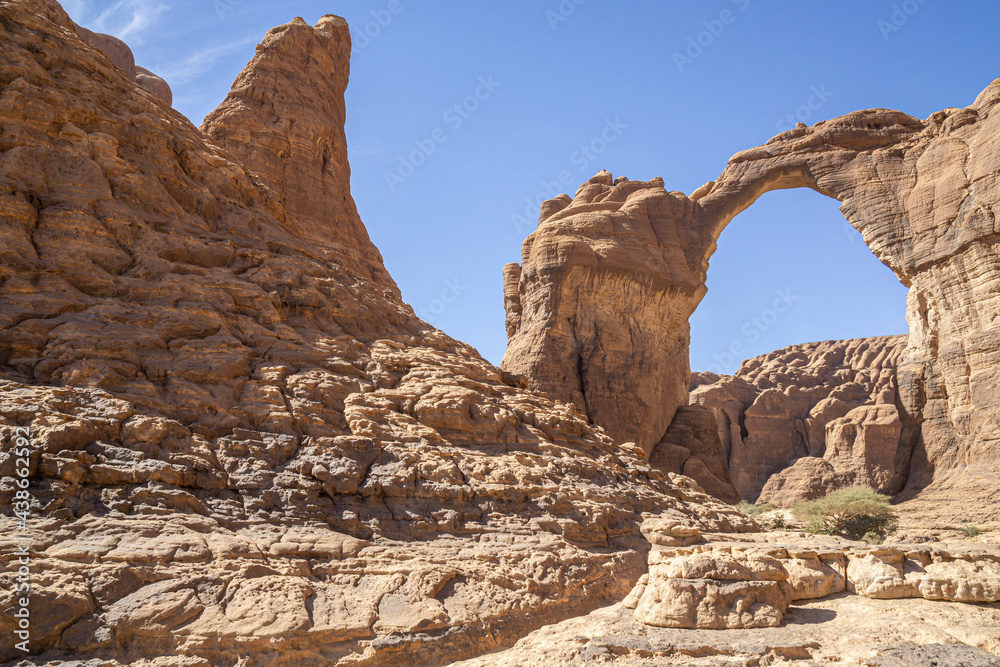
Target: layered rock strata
x=244, y=448
x=800, y=422
x=750, y=584
x=882, y=606
x=610, y=276
x=120, y=55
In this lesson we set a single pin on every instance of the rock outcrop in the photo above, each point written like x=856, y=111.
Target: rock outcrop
x=838, y=602
x=802, y=421
x=750, y=584
x=119, y=53
x=923, y=193
x=284, y=121
x=711, y=590
x=598, y=317
x=692, y=447
x=243, y=446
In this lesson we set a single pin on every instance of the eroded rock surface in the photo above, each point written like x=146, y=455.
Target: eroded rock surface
x=750, y=583
x=119, y=53
x=800, y=422
x=245, y=447
x=788, y=598
x=610, y=277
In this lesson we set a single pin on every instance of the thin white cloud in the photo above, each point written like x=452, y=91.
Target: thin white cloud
x=199, y=62
x=125, y=19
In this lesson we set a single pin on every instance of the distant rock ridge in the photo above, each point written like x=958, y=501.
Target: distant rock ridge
x=829, y=408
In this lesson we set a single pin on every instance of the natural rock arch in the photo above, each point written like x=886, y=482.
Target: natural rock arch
x=598, y=310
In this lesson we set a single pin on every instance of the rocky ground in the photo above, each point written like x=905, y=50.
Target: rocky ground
x=840, y=630
x=245, y=449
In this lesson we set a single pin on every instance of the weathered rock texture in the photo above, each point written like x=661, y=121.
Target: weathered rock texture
x=245, y=449
x=119, y=53
x=610, y=277
x=712, y=590
x=284, y=121
x=692, y=446
x=891, y=615
x=750, y=584
x=828, y=408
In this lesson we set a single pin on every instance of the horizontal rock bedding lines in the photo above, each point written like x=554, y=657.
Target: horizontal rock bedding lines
x=244, y=445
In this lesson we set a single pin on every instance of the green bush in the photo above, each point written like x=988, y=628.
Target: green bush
x=855, y=513
x=778, y=523
x=872, y=538
x=816, y=527
x=970, y=530
x=753, y=510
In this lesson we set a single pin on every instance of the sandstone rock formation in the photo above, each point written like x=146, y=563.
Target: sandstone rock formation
x=245, y=449
x=828, y=408
x=711, y=590
x=750, y=584
x=923, y=193
x=284, y=121
x=692, y=446
x=119, y=53
x=891, y=614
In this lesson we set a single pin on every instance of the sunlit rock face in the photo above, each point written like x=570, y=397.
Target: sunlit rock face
x=244, y=445
x=829, y=408
x=610, y=277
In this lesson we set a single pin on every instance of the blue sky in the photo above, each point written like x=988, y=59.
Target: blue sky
x=550, y=76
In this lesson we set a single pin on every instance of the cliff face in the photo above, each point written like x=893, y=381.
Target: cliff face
x=923, y=194
x=284, y=121
x=242, y=442
x=834, y=403
x=598, y=315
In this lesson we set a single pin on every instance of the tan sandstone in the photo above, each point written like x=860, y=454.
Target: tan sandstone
x=245, y=446
x=609, y=278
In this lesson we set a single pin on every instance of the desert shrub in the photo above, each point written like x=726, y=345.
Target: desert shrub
x=753, y=510
x=778, y=523
x=872, y=538
x=854, y=513
x=817, y=527
x=970, y=530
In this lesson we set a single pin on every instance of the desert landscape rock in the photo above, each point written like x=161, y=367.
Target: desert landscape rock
x=832, y=611
x=300, y=72
x=246, y=449
x=924, y=195
x=119, y=53
x=800, y=422
x=692, y=446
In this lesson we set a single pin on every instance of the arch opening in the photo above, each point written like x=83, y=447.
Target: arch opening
x=797, y=339
x=790, y=269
